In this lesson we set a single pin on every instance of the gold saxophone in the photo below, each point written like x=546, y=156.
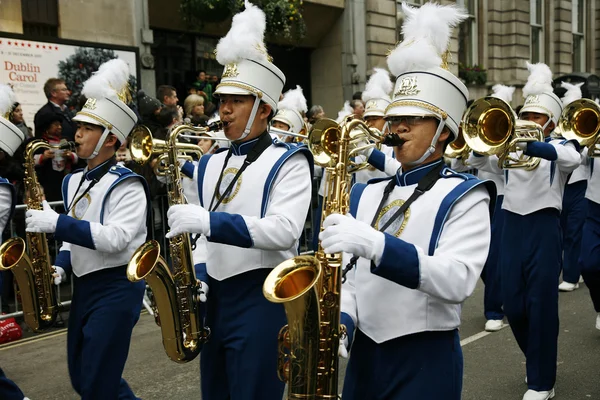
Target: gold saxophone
x=175, y=289
x=310, y=287
x=33, y=272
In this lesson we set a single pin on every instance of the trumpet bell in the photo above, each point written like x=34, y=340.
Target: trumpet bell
x=141, y=144
x=323, y=141
x=580, y=120
x=487, y=125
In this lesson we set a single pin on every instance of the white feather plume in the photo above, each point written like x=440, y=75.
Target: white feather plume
x=426, y=33
x=245, y=39
x=379, y=86
x=503, y=92
x=344, y=112
x=539, y=80
x=293, y=99
x=7, y=99
x=573, y=92
x=111, y=77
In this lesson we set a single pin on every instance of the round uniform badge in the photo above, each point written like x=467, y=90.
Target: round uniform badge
x=387, y=212
x=81, y=206
x=228, y=176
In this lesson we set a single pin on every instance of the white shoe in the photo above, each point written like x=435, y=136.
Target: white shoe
x=493, y=325
x=535, y=395
x=525, y=379
x=598, y=321
x=568, y=287
x=581, y=279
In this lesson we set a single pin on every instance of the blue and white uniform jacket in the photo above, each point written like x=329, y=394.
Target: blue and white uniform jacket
x=530, y=191
x=483, y=174
x=105, y=227
x=258, y=225
x=8, y=199
x=428, y=269
x=592, y=192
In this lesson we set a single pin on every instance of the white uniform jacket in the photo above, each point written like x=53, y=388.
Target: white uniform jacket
x=530, y=191
x=103, y=228
x=592, y=192
x=7, y=203
x=428, y=269
x=366, y=174
x=258, y=225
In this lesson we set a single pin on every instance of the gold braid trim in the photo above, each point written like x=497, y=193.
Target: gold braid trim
x=242, y=86
x=102, y=121
x=536, y=106
x=409, y=103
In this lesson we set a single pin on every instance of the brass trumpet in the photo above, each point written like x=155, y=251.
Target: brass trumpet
x=458, y=148
x=580, y=120
x=490, y=127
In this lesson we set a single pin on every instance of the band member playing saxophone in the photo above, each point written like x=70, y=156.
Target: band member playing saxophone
x=419, y=239
x=254, y=199
x=105, y=221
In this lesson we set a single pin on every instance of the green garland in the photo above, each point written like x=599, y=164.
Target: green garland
x=284, y=17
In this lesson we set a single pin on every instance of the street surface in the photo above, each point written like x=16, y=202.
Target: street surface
x=494, y=365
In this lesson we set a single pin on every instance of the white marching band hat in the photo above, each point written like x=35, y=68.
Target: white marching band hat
x=538, y=93
x=11, y=137
x=377, y=93
x=290, y=109
x=572, y=94
x=344, y=112
x=248, y=69
x=503, y=92
x=423, y=86
x=106, y=92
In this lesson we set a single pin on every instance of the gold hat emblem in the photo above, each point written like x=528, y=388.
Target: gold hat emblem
x=371, y=104
x=408, y=87
x=90, y=103
x=534, y=99
x=231, y=71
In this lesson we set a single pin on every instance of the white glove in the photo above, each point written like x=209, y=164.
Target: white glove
x=343, y=349
x=188, y=218
x=521, y=146
x=203, y=291
x=344, y=233
x=41, y=221
x=59, y=276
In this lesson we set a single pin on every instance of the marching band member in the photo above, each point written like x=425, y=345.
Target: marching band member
x=11, y=138
x=573, y=213
x=531, y=244
x=492, y=297
x=254, y=200
x=376, y=98
x=105, y=222
x=417, y=265
x=289, y=115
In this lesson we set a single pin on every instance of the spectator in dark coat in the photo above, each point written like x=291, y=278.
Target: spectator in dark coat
x=57, y=94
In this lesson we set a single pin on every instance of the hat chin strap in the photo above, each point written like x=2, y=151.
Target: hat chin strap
x=250, y=120
x=98, y=145
x=547, y=123
x=431, y=148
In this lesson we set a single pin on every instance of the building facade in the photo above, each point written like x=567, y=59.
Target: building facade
x=345, y=40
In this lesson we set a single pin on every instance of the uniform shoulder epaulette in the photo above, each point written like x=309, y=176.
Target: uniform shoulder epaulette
x=377, y=180
x=450, y=173
x=120, y=170
x=3, y=180
x=221, y=149
x=279, y=143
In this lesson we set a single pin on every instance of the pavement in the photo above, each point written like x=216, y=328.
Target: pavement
x=494, y=365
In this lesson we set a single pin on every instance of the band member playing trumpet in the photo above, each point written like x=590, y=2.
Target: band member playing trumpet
x=11, y=138
x=531, y=239
x=408, y=233
x=573, y=213
x=106, y=209
x=254, y=200
x=289, y=115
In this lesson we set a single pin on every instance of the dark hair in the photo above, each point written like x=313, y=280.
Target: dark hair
x=200, y=71
x=12, y=110
x=117, y=144
x=357, y=96
x=50, y=85
x=166, y=116
x=355, y=102
x=164, y=90
x=81, y=102
x=314, y=110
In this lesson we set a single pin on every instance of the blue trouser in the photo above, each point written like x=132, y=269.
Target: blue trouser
x=239, y=361
x=590, y=252
x=530, y=266
x=421, y=366
x=104, y=309
x=316, y=223
x=492, y=297
x=571, y=221
x=8, y=389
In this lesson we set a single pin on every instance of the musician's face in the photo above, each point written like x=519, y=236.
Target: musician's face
x=417, y=133
x=539, y=119
x=87, y=137
x=375, y=122
x=234, y=111
x=280, y=125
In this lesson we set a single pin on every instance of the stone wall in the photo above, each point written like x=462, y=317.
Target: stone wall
x=11, y=19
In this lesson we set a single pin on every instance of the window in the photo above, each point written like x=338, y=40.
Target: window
x=578, y=16
x=40, y=17
x=467, y=35
x=536, y=20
